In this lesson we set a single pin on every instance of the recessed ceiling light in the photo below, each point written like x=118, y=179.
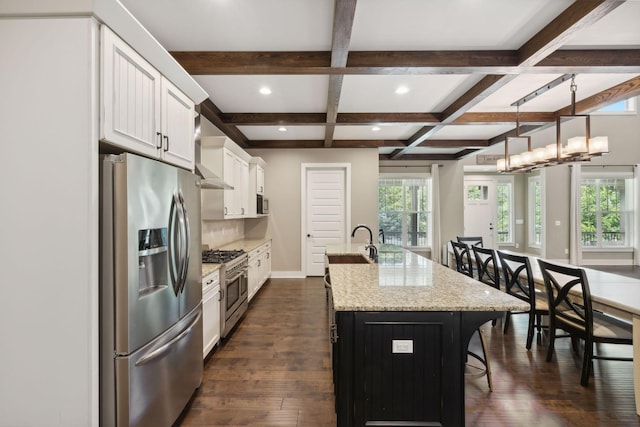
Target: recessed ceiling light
x=282, y=129
x=401, y=90
x=265, y=90
x=375, y=128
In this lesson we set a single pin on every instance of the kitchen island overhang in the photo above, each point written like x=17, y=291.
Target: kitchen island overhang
x=403, y=327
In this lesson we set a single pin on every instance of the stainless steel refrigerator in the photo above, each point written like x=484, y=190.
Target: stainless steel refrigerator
x=151, y=292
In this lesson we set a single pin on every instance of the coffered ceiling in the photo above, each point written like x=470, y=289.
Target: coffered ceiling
x=418, y=79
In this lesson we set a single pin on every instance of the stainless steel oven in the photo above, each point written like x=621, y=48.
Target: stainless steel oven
x=234, y=293
x=233, y=285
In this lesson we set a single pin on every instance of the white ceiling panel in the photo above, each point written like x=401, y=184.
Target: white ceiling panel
x=552, y=100
x=376, y=93
x=237, y=25
x=367, y=132
x=472, y=131
x=620, y=28
x=292, y=132
x=450, y=24
x=294, y=94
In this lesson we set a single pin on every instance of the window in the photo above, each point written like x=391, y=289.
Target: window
x=404, y=210
x=535, y=212
x=505, y=212
x=625, y=106
x=606, y=212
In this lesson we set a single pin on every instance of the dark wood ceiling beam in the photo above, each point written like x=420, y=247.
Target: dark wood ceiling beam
x=485, y=87
x=574, y=18
x=212, y=113
x=592, y=61
x=362, y=119
x=234, y=63
x=465, y=153
x=273, y=119
x=502, y=118
x=398, y=61
x=619, y=92
x=413, y=62
x=388, y=118
x=343, y=15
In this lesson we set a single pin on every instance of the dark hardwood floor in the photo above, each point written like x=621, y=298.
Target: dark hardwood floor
x=275, y=371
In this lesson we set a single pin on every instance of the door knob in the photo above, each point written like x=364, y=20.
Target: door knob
x=308, y=235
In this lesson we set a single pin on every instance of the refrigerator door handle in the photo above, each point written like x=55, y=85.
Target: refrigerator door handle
x=175, y=259
x=186, y=243
x=149, y=357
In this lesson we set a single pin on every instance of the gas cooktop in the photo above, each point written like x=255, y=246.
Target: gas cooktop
x=211, y=256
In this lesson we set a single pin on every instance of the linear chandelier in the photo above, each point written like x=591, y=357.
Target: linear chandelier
x=580, y=147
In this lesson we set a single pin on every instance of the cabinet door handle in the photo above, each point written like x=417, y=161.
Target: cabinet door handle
x=225, y=210
x=242, y=211
x=166, y=138
x=268, y=255
x=159, y=145
x=259, y=263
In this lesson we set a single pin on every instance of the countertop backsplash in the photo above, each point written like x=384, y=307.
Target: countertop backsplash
x=219, y=233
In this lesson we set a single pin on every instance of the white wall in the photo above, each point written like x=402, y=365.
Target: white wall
x=49, y=222
x=282, y=185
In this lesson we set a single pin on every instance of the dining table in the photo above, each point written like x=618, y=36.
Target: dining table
x=611, y=293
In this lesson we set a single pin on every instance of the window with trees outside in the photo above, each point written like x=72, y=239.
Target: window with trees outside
x=606, y=211
x=404, y=211
x=505, y=212
x=535, y=211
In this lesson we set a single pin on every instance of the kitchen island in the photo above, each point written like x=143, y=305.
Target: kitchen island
x=401, y=332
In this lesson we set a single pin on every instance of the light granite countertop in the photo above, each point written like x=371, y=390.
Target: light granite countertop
x=404, y=281
x=208, y=268
x=246, y=245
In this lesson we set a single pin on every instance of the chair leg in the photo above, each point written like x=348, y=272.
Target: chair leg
x=552, y=341
x=507, y=317
x=486, y=360
x=587, y=357
x=574, y=344
x=530, y=330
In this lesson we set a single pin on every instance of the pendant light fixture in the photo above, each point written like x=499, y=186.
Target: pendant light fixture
x=575, y=128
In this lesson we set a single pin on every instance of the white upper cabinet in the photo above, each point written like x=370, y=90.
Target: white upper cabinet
x=140, y=110
x=260, y=180
x=178, y=114
x=226, y=159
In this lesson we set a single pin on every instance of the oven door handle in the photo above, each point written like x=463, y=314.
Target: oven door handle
x=242, y=272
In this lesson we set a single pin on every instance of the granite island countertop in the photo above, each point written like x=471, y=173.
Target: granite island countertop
x=404, y=281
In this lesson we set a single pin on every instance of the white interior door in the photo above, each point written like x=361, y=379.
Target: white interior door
x=325, y=198
x=480, y=210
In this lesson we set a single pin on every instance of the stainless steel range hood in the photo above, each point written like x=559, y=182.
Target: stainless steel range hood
x=209, y=179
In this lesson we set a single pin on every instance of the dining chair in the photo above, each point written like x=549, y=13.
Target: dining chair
x=518, y=281
x=462, y=255
x=573, y=313
x=470, y=240
x=488, y=268
x=464, y=265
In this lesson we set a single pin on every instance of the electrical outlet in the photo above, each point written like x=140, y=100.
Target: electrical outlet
x=517, y=245
x=402, y=346
x=566, y=251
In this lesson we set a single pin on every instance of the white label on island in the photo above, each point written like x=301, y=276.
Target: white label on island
x=402, y=346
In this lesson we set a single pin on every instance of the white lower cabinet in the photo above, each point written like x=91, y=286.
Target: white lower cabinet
x=210, y=312
x=259, y=268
